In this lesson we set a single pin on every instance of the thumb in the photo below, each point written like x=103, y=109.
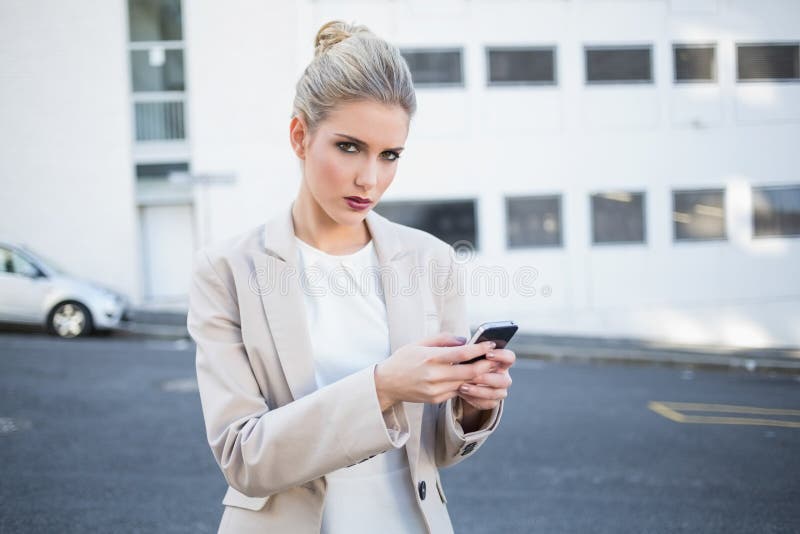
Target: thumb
x=443, y=339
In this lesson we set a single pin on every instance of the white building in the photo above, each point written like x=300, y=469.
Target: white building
x=639, y=154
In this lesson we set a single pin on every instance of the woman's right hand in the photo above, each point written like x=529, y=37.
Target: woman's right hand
x=425, y=372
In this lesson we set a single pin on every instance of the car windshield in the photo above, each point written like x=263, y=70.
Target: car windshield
x=44, y=259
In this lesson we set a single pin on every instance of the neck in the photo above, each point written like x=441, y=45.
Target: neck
x=314, y=226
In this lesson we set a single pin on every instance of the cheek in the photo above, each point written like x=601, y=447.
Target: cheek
x=387, y=178
x=329, y=172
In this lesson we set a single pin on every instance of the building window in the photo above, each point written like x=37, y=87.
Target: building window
x=694, y=63
x=157, y=69
x=698, y=214
x=521, y=66
x=618, y=217
x=619, y=64
x=159, y=121
x=776, y=211
x=533, y=221
x=158, y=83
x=159, y=171
x=440, y=67
x=155, y=20
x=449, y=220
x=767, y=62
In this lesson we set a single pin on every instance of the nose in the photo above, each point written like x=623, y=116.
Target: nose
x=368, y=175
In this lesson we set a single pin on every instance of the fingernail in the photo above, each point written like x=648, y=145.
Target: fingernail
x=490, y=354
x=492, y=369
x=492, y=344
x=464, y=388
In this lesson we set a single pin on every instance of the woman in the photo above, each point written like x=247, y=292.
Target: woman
x=328, y=410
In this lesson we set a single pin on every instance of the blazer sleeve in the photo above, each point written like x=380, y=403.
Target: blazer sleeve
x=263, y=450
x=452, y=444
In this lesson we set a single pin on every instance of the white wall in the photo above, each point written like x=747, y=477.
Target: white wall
x=575, y=140
x=66, y=140
x=241, y=67
x=66, y=182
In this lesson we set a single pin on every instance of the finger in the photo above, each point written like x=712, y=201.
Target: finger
x=455, y=375
x=470, y=371
x=467, y=352
x=483, y=392
x=503, y=357
x=496, y=380
x=443, y=339
x=476, y=402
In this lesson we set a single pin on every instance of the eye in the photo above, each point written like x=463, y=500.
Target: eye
x=395, y=154
x=346, y=144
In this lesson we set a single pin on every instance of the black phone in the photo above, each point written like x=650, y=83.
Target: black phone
x=500, y=332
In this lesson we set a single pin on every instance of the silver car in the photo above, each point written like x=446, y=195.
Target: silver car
x=34, y=290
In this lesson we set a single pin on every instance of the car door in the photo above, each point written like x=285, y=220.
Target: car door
x=22, y=288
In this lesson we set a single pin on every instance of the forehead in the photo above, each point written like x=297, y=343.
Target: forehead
x=379, y=125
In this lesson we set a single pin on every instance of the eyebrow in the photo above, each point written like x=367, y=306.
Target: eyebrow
x=360, y=142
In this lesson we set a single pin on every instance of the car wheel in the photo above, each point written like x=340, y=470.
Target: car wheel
x=70, y=319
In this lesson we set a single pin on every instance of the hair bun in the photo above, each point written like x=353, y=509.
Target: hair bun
x=334, y=32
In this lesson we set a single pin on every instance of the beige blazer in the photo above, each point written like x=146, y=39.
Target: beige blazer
x=275, y=435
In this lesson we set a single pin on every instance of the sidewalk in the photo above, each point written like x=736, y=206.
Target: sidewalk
x=621, y=350
x=154, y=323
x=172, y=325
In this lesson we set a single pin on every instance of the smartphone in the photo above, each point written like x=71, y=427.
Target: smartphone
x=500, y=332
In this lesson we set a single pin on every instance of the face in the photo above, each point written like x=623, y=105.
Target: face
x=353, y=153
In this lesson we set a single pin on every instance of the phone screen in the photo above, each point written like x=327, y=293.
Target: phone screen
x=500, y=332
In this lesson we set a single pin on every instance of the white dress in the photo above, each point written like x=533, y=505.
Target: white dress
x=347, y=316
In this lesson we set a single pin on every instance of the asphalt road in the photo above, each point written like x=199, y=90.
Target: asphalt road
x=106, y=435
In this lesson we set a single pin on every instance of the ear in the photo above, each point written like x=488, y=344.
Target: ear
x=298, y=136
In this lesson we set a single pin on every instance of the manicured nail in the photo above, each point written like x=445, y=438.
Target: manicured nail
x=490, y=354
x=492, y=344
x=464, y=388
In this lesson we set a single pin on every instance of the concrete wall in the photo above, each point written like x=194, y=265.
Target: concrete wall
x=66, y=127
x=66, y=183
x=242, y=59
x=571, y=139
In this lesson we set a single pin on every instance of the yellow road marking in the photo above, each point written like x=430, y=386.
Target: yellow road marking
x=672, y=411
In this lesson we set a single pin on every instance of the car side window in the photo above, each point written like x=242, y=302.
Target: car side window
x=6, y=264
x=13, y=263
x=23, y=266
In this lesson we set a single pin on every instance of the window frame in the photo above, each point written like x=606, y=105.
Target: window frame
x=145, y=46
x=724, y=238
x=738, y=44
x=526, y=196
x=650, y=47
x=161, y=97
x=434, y=49
x=521, y=48
x=476, y=207
x=714, y=62
x=643, y=242
x=129, y=28
x=778, y=187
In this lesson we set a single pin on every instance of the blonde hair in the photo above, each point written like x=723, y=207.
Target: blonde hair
x=351, y=64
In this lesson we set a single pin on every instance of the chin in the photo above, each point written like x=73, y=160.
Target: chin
x=349, y=218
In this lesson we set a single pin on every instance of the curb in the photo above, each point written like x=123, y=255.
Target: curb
x=162, y=331
x=666, y=358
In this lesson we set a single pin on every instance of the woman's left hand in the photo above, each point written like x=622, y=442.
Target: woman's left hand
x=486, y=397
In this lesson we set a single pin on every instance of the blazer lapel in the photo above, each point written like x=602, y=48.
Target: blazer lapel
x=278, y=283
x=405, y=310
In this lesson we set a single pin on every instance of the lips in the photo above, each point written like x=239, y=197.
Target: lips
x=359, y=200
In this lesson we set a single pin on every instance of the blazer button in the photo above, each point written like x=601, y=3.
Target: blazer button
x=422, y=490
